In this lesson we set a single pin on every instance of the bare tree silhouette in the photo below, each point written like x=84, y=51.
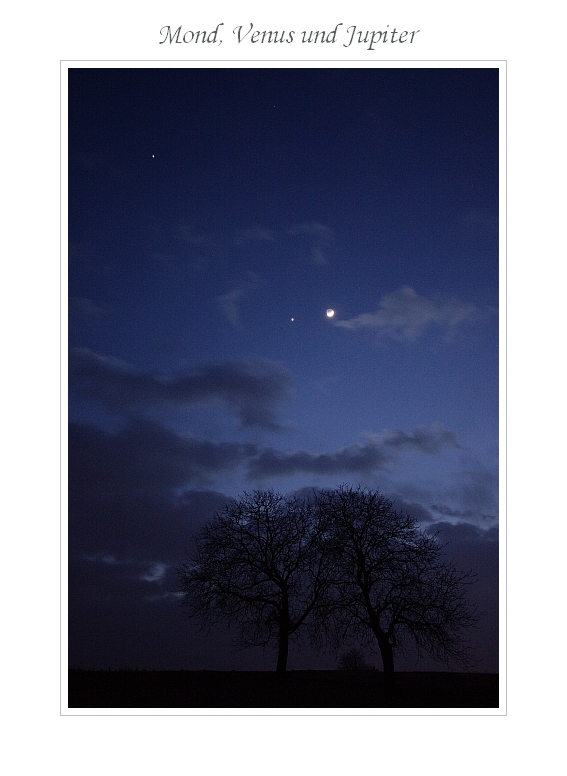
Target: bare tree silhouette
x=343, y=565
x=392, y=585
x=259, y=565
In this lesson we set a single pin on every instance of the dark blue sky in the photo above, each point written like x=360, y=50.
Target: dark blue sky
x=214, y=216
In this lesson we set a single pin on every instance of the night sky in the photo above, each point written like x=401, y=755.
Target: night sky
x=215, y=216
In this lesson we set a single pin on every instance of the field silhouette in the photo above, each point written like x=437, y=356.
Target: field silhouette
x=266, y=689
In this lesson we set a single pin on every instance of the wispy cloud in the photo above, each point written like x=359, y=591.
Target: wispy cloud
x=371, y=456
x=450, y=512
x=255, y=234
x=85, y=309
x=355, y=458
x=230, y=302
x=405, y=316
x=421, y=440
x=315, y=230
x=321, y=237
x=155, y=573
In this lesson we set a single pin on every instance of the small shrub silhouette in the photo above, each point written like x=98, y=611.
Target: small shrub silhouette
x=353, y=660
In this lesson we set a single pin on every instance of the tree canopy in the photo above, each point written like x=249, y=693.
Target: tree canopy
x=259, y=565
x=341, y=566
x=392, y=584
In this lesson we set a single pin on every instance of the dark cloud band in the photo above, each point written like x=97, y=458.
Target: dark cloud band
x=251, y=391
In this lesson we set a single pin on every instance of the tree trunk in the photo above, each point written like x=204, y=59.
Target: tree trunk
x=283, y=647
x=387, y=653
x=283, y=650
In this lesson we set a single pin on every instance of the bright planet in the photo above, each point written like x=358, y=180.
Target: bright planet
x=330, y=313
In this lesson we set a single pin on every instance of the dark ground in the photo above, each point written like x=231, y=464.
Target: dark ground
x=263, y=689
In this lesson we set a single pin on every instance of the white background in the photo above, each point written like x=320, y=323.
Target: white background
x=36, y=37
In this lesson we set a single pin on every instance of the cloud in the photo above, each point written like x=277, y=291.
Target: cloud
x=148, y=528
x=421, y=440
x=86, y=309
x=412, y=508
x=146, y=571
x=155, y=573
x=464, y=533
x=405, y=316
x=230, y=302
x=463, y=497
x=475, y=490
x=251, y=390
x=356, y=458
x=256, y=234
x=441, y=509
x=187, y=235
x=320, y=235
x=144, y=458
x=315, y=230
